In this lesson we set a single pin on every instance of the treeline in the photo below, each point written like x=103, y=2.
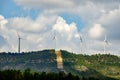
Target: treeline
x=28, y=75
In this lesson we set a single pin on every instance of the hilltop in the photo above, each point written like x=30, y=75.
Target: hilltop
x=99, y=66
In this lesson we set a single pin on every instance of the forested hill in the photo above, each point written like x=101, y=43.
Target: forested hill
x=99, y=65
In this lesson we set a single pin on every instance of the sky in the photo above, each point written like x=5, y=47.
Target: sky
x=38, y=21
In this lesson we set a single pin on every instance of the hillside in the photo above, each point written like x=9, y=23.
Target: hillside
x=99, y=65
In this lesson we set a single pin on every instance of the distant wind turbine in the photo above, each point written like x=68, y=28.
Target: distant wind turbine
x=81, y=43
x=105, y=43
x=19, y=38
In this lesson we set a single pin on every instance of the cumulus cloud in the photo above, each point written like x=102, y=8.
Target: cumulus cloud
x=96, y=31
x=93, y=7
x=3, y=21
x=45, y=3
x=65, y=33
x=61, y=25
x=42, y=23
x=107, y=24
x=61, y=3
x=110, y=22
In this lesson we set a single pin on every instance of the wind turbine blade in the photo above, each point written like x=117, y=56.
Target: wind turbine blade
x=81, y=43
x=18, y=35
x=54, y=38
x=106, y=41
x=105, y=38
x=81, y=38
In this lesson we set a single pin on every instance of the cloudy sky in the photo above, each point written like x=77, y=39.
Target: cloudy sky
x=37, y=21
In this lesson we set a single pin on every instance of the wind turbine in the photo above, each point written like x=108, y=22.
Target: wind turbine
x=105, y=43
x=19, y=38
x=81, y=43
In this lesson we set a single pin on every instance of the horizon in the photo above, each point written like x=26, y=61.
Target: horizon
x=60, y=50
x=36, y=21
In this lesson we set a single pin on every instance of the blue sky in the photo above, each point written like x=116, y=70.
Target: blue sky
x=73, y=18
x=9, y=9
x=37, y=19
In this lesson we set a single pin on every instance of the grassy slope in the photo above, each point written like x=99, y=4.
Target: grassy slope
x=106, y=64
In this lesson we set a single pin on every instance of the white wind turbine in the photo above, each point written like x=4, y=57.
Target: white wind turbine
x=19, y=38
x=105, y=44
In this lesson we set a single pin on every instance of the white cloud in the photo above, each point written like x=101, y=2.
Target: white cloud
x=61, y=3
x=110, y=22
x=88, y=9
x=65, y=34
x=96, y=31
x=61, y=25
x=65, y=29
x=27, y=24
x=2, y=21
x=46, y=3
x=107, y=24
x=68, y=36
x=28, y=30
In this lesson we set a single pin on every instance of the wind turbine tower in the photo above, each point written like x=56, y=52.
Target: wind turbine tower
x=81, y=44
x=19, y=38
x=105, y=44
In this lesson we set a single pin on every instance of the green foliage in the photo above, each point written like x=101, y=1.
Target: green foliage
x=28, y=75
x=86, y=66
x=37, y=61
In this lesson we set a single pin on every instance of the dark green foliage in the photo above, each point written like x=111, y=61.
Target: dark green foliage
x=28, y=75
x=11, y=75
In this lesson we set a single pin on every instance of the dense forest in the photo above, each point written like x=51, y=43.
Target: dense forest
x=28, y=75
x=99, y=66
